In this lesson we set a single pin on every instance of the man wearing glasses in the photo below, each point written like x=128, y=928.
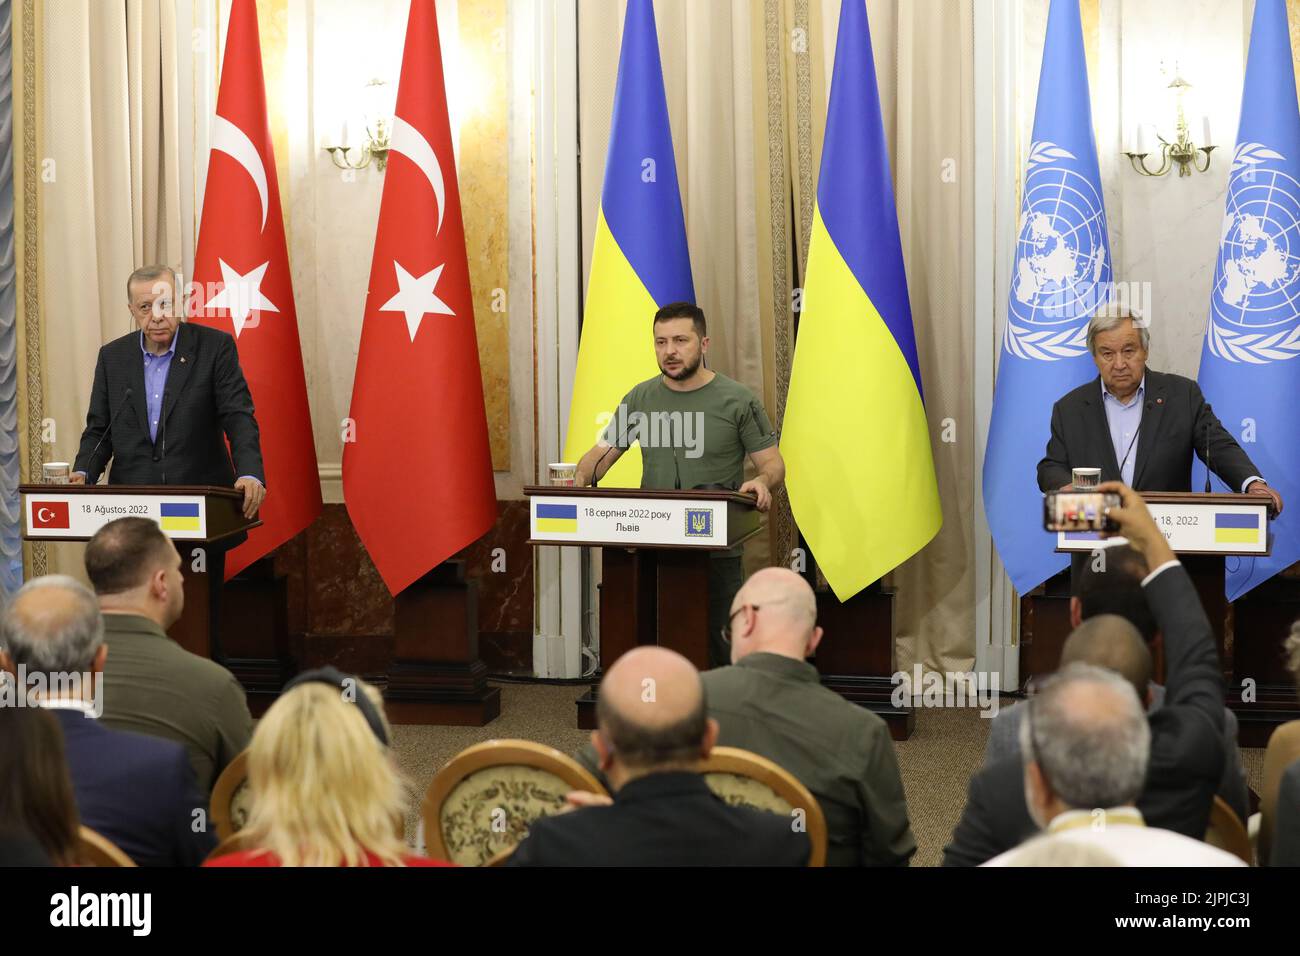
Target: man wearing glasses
x=1140, y=426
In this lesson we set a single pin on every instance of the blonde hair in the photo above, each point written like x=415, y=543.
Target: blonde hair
x=325, y=791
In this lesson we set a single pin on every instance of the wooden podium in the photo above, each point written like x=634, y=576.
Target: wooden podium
x=191, y=515
x=1203, y=530
x=656, y=547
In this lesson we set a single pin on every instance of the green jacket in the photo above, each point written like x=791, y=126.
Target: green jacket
x=154, y=686
x=776, y=707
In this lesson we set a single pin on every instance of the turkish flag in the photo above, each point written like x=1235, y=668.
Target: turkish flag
x=417, y=473
x=242, y=286
x=50, y=514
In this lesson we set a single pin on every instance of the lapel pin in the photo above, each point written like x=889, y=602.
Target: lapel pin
x=1159, y=401
x=183, y=362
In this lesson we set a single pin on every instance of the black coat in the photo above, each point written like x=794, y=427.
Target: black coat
x=1186, y=762
x=664, y=819
x=206, y=402
x=137, y=791
x=1175, y=423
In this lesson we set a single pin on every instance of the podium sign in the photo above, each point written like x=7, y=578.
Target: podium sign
x=77, y=516
x=630, y=520
x=1194, y=524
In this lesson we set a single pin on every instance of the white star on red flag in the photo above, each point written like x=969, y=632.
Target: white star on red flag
x=416, y=297
x=241, y=295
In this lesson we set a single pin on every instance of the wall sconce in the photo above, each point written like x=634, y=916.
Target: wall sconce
x=376, y=122
x=1181, y=149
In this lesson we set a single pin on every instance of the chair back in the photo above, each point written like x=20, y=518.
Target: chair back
x=231, y=798
x=96, y=850
x=744, y=779
x=481, y=804
x=1227, y=832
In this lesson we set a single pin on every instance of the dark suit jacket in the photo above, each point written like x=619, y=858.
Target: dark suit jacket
x=663, y=819
x=137, y=791
x=1175, y=423
x=205, y=403
x=1186, y=762
x=1286, y=828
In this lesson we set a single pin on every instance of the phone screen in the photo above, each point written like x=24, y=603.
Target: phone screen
x=1078, y=510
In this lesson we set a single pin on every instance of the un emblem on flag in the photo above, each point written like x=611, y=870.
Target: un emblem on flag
x=1253, y=312
x=699, y=523
x=1062, y=262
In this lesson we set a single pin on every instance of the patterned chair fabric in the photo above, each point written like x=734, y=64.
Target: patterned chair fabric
x=491, y=810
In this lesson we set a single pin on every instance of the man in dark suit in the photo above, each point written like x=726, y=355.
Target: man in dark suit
x=166, y=398
x=137, y=791
x=653, y=729
x=1140, y=426
x=1187, y=757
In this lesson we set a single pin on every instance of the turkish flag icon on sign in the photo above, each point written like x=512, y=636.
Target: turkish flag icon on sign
x=50, y=514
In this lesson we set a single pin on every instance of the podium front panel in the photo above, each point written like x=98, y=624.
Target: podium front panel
x=632, y=520
x=1193, y=527
x=77, y=516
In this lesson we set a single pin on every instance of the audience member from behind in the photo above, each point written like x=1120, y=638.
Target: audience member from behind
x=36, y=801
x=135, y=790
x=1084, y=744
x=771, y=701
x=652, y=732
x=152, y=685
x=1110, y=585
x=1280, y=759
x=325, y=788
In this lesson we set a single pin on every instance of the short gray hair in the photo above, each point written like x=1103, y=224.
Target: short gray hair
x=1088, y=762
x=149, y=274
x=1109, y=318
x=65, y=641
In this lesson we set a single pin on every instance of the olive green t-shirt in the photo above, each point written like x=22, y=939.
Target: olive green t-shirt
x=695, y=438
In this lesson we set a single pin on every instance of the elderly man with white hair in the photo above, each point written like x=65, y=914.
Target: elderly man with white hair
x=1085, y=743
x=1140, y=426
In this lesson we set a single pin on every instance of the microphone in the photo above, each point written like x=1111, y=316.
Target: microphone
x=677, y=472
x=596, y=471
x=1209, y=408
x=163, y=435
x=112, y=417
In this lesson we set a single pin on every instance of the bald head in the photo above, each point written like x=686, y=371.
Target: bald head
x=53, y=625
x=651, y=709
x=1112, y=642
x=774, y=612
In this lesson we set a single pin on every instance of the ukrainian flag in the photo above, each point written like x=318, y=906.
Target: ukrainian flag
x=180, y=516
x=561, y=519
x=639, y=261
x=1236, y=528
x=860, y=474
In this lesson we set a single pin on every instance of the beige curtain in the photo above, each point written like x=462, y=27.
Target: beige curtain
x=747, y=86
x=111, y=196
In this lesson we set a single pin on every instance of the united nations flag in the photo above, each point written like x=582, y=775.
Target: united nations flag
x=1250, y=362
x=1060, y=277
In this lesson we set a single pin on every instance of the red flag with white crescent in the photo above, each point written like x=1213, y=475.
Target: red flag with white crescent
x=243, y=286
x=417, y=477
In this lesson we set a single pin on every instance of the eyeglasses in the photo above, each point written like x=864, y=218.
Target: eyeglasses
x=1108, y=356
x=726, y=628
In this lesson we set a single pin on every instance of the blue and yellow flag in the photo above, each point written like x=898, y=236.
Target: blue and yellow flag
x=860, y=473
x=639, y=261
x=1250, y=362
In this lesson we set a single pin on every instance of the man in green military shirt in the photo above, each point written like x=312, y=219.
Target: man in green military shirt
x=695, y=428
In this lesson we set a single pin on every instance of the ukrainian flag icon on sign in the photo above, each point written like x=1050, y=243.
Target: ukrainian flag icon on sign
x=1236, y=528
x=562, y=519
x=180, y=516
